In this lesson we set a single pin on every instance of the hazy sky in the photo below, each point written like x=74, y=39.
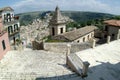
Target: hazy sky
x=105, y=6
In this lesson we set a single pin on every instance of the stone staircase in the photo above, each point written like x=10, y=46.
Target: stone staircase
x=35, y=65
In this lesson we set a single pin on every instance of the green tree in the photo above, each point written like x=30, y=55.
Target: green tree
x=89, y=22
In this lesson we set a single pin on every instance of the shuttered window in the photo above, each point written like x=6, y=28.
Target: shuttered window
x=3, y=44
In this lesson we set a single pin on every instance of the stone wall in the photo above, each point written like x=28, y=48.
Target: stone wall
x=113, y=31
x=62, y=47
x=37, y=45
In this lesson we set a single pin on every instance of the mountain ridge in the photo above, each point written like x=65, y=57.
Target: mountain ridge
x=77, y=16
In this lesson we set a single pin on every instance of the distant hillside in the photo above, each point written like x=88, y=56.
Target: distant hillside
x=86, y=16
x=26, y=18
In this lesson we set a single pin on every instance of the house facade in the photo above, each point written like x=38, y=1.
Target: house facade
x=57, y=28
x=80, y=35
x=10, y=23
x=4, y=41
x=112, y=28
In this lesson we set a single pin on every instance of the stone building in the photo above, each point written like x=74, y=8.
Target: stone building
x=4, y=41
x=10, y=23
x=112, y=28
x=84, y=34
x=57, y=24
x=58, y=30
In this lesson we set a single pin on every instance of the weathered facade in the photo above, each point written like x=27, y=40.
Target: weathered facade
x=10, y=23
x=4, y=41
x=84, y=34
x=57, y=24
x=112, y=28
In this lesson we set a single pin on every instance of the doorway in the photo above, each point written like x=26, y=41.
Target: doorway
x=61, y=30
x=14, y=40
x=53, y=31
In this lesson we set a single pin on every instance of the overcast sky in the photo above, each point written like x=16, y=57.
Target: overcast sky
x=104, y=6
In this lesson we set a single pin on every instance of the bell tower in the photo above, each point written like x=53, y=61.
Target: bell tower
x=57, y=24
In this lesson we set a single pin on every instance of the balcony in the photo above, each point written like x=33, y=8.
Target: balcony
x=14, y=32
x=11, y=22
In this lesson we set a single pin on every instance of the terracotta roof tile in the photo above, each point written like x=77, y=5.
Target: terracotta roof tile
x=113, y=23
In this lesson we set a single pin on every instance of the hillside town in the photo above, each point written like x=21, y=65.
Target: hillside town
x=48, y=50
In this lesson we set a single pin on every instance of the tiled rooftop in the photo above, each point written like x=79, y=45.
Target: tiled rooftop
x=115, y=23
x=75, y=34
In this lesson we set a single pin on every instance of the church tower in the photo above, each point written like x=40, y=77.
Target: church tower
x=57, y=24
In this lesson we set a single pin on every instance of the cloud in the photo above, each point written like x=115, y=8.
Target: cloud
x=78, y=5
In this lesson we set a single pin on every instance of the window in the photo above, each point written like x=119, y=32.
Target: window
x=8, y=29
x=113, y=36
x=53, y=31
x=61, y=30
x=88, y=37
x=106, y=28
x=84, y=39
x=14, y=28
x=11, y=29
x=3, y=44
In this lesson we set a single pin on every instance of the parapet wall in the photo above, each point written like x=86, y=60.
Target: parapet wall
x=62, y=47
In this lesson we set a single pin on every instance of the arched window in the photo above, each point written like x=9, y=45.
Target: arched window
x=84, y=39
